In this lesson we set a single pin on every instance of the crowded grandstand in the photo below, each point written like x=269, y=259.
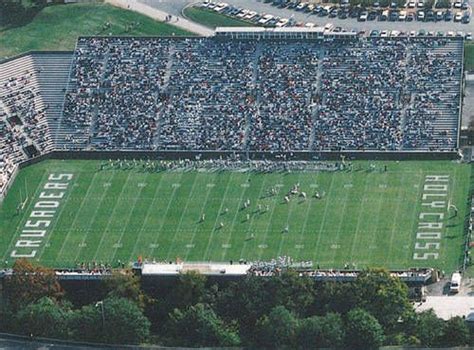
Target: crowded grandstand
x=226, y=95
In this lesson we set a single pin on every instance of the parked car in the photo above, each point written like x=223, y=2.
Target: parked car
x=466, y=18
x=393, y=16
x=410, y=17
x=384, y=33
x=448, y=15
x=420, y=15
x=301, y=6
x=402, y=16
x=458, y=16
x=439, y=15
x=363, y=16
x=374, y=33
x=469, y=36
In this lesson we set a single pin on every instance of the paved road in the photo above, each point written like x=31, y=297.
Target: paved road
x=175, y=7
x=160, y=15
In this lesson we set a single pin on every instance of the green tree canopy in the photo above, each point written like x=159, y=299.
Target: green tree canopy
x=199, y=326
x=384, y=296
x=44, y=318
x=363, y=331
x=456, y=332
x=278, y=329
x=122, y=322
x=429, y=328
x=321, y=332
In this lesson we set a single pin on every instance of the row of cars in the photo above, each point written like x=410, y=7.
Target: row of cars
x=459, y=13
x=422, y=32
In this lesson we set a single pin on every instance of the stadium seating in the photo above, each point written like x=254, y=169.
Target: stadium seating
x=220, y=94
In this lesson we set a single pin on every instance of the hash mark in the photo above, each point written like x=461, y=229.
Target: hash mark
x=335, y=246
x=226, y=246
x=154, y=246
x=189, y=245
x=299, y=246
x=263, y=246
x=175, y=185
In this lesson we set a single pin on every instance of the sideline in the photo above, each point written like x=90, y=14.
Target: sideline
x=149, y=11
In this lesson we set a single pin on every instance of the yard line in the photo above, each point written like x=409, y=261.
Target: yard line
x=379, y=210
x=401, y=197
x=251, y=216
x=91, y=221
x=58, y=255
x=224, y=197
x=22, y=222
x=112, y=216
x=209, y=189
x=148, y=212
x=129, y=217
x=239, y=205
x=170, y=249
x=284, y=236
x=305, y=222
x=361, y=211
x=165, y=214
x=316, y=248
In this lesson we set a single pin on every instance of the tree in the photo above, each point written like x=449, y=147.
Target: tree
x=429, y=328
x=199, y=326
x=321, y=332
x=44, y=318
x=334, y=297
x=363, y=331
x=456, y=332
x=29, y=283
x=384, y=296
x=125, y=285
x=278, y=329
x=122, y=322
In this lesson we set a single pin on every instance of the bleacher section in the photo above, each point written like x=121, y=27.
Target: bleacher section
x=31, y=96
x=284, y=95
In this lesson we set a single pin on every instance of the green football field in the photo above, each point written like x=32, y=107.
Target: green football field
x=369, y=218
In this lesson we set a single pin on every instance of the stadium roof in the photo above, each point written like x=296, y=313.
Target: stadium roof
x=209, y=269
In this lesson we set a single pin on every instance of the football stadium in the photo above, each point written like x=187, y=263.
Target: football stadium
x=252, y=144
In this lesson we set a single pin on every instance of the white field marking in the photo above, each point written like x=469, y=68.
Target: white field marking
x=178, y=227
x=107, y=184
x=305, y=223
x=210, y=185
x=357, y=228
x=279, y=185
x=299, y=246
x=141, y=184
x=314, y=186
x=372, y=246
x=75, y=185
x=348, y=186
x=135, y=201
x=29, y=207
x=154, y=246
x=224, y=197
x=203, y=206
x=263, y=246
x=239, y=205
x=379, y=212
x=416, y=186
x=343, y=210
x=189, y=246
x=252, y=221
x=406, y=246
x=226, y=246
x=245, y=185
x=335, y=246
x=91, y=222
x=382, y=185
x=82, y=245
x=111, y=217
x=47, y=245
x=284, y=237
x=165, y=214
x=401, y=198
x=117, y=245
x=176, y=185
x=326, y=206
x=58, y=217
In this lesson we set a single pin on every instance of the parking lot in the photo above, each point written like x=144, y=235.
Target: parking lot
x=175, y=7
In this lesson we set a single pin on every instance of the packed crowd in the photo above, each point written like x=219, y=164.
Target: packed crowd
x=23, y=127
x=213, y=94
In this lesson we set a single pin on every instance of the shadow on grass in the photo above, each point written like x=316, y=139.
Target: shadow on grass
x=17, y=17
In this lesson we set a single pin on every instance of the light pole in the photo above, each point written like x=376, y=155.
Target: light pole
x=101, y=303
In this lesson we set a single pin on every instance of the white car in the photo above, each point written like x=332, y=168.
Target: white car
x=450, y=33
x=250, y=15
x=301, y=6
x=458, y=4
x=469, y=36
x=394, y=33
x=310, y=25
x=458, y=16
x=402, y=16
x=411, y=5
x=282, y=22
x=420, y=3
x=265, y=19
x=220, y=7
x=412, y=33
x=384, y=33
x=243, y=13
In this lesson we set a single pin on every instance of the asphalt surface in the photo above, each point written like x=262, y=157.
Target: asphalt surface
x=175, y=7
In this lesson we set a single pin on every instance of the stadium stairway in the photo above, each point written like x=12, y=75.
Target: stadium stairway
x=52, y=76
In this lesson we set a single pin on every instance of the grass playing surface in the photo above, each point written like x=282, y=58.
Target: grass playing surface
x=368, y=218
